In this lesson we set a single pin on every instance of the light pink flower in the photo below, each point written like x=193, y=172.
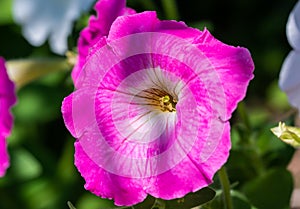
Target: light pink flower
x=7, y=99
x=49, y=19
x=151, y=108
x=289, y=79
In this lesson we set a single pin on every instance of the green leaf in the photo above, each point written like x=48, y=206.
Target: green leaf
x=192, y=200
x=276, y=98
x=189, y=201
x=37, y=103
x=90, y=201
x=6, y=10
x=271, y=190
x=40, y=194
x=148, y=203
x=170, y=9
x=239, y=201
x=25, y=165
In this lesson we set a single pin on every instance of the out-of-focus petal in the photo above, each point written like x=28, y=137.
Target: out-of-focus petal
x=4, y=158
x=289, y=78
x=7, y=99
x=293, y=27
x=51, y=19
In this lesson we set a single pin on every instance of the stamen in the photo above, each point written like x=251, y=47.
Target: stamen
x=158, y=99
x=167, y=103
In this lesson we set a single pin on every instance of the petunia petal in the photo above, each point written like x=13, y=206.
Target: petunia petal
x=148, y=22
x=66, y=110
x=293, y=27
x=99, y=26
x=125, y=191
x=234, y=66
x=7, y=99
x=289, y=78
x=108, y=11
x=4, y=158
x=190, y=175
x=42, y=19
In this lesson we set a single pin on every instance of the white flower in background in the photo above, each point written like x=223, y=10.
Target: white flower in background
x=289, y=79
x=53, y=19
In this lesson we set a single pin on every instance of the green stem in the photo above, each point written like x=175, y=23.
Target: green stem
x=225, y=187
x=159, y=203
x=170, y=9
x=71, y=206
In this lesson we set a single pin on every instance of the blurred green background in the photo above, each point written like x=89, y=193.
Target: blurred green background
x=42, y=174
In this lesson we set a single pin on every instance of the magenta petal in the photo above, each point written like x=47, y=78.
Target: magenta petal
x=148, y=22
x=125, y=191
x=234, y=66
x=4, y=158
x=7, y=99
x=107, y=12
x=190, y=175
x=66, y=110
x=179, y=29
x=137, y=23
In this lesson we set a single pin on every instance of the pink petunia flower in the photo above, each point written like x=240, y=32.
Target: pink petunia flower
x=7, y=99
x=151, y=108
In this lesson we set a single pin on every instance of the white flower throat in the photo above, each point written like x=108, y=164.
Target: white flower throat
x=146, y=104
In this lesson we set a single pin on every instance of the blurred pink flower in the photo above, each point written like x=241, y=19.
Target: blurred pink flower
x=289, y=79
x=7, y=99
x=151, y=106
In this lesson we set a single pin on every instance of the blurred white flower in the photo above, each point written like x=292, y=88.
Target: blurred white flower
x=53, y=19
x=289, y=79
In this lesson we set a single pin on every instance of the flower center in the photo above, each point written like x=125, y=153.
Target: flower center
x=159, y=99
x=167, y=103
